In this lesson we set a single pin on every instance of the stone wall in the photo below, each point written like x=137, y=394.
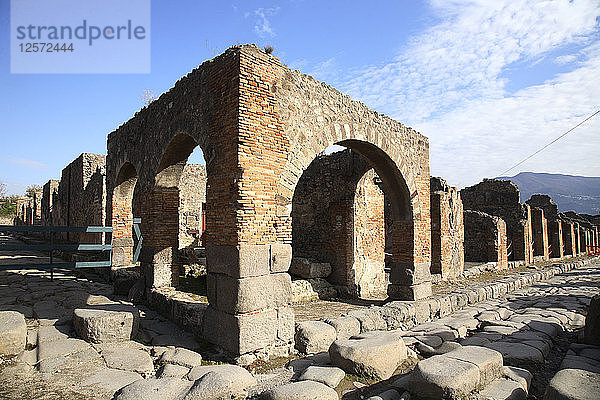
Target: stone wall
x=501, y=199
x=485, y=238
x=540, y=233
x=50, y=192
x=447, y=230
x=81, y=199
x=192, y=201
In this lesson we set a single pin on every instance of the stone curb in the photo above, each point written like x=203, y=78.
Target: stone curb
x=407, y=314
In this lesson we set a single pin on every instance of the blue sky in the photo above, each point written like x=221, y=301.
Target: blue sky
x=487, y=82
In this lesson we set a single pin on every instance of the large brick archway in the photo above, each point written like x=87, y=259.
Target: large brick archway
x=259, y=126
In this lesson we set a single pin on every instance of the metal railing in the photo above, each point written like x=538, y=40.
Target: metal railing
x=54, y=247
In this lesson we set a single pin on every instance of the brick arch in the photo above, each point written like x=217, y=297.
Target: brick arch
x=122, y=215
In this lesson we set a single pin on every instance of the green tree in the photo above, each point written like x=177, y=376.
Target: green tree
x=31, y=189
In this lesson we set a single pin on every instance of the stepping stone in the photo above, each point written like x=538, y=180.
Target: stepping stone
x=443, y=377
x=232, y=379
x=314, y=336
x=128, y=359
x=106, y=324
x=573, y=384
x=330, y=376
x=172, y=371
x=111, y=379
x=13, y=333
x=149, y=389
x=181, y=356
x=503, y=389
x=488, y=361
x=346, y=327
x=374, y=354
x=517, y=353
x=301, y=391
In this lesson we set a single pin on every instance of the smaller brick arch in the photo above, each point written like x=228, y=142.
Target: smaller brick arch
x=122, y=215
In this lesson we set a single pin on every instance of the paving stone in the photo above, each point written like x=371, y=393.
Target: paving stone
x=111, y=379
x=13, y=333
x=182, y=340
x=503, y=389
x=237, y=378
x=433, y=341
x=373, y=354
x=172, y=371
x=577, y=362
x=128, y=359
x=61, y=348
x=345, y=327
x=301, y=391
x=110, y=323
x=330, y=376
x=520, y=375
x=181, y=356
x=49, y=333
x=370, y=319
x=592, y=322
x=443, y=377
x=220, y=383
x=573, y=384
x=154, y=389
x=488, y=361
x=314, y=336
x=517, y=353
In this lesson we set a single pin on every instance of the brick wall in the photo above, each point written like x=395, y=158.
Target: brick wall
x=501, y=199
x=485, y=238
x=447, y=230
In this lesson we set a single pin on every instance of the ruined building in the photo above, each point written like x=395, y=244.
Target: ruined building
x=485, y=239
x=447, y=230
x=259, y=125
x=501, y=199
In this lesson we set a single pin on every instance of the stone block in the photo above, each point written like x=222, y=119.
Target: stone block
x=409, y=292
x=372, y=355
x=164, y=389
x=487, y=360
x=242, y=333
x=240, y=261
x=13, y=333
x=304, y=268
x=301, y=390
x=237, y=379
x=285, y=324
x=128, y=359
x=237, y=296
x=370, y=319
x=345, y=327
x=443, y=377
x=281, y=257
x=330, y=376
x=503, y=389
x=106, y=323
x=314, y=336
x=573, y=384
x=181, y=356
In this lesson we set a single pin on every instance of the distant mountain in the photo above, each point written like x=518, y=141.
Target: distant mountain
x=572, y=193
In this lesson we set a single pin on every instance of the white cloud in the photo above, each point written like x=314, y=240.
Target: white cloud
x=263, y=25
x=449, y=83
x=24, y=162
x=565, y=59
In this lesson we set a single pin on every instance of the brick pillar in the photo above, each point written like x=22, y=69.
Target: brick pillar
x=122, y=224
x=540, y=233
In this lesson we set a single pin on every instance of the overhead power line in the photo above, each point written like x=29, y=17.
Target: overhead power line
x=552, y=142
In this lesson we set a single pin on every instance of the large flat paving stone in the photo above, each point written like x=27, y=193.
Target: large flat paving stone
x=330, y=376
x=236, y=378
x=374, y=354
x=128, y=359
x=106, y=323
x=13, y=333
x=503, y=389
x=220, y=383
x=487, y=360
x=573, y=384
x=314, y=336
x=303, y=390
x=517, y=353
x=443, y=377
x=181, y=356
x=111, y=379
x=154, y=389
